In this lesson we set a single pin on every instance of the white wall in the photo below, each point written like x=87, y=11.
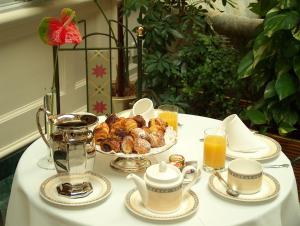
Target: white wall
x=26, y=68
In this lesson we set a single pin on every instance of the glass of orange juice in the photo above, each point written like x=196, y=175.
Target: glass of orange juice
x=169, y=113
x=214, y=149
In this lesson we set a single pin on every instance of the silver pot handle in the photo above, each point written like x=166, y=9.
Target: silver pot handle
x=41, y=109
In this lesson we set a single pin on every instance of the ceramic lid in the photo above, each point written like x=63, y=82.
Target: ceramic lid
x=163, y=173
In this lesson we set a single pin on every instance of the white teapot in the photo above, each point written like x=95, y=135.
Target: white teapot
x=162, y=188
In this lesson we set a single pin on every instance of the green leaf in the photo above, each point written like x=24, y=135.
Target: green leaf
x=282, y=21
x=285, y=86
x=270, y=90
x=246, y=66
x=296, y=64
x=262, y=7
x=176, y=34
x=296, y=33
x=282, y=66
x=256, y=117
x=283, y=113
x=285, y=128
x=262, y=48
x=286, y=4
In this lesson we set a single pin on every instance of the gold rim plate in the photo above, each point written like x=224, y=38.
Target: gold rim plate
x=101, y=189
x=188, y=207
x=271, y=152
x=269, y=190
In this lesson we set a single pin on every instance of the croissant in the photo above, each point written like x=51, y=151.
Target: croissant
x=101, y=132
x=127, y=144
x=110, y=144
x=130, y=124
x=156, y=139
x=157, y=125
x=141, y=146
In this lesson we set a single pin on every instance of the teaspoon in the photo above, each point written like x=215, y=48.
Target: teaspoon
x=276, y=166
x=229, y=189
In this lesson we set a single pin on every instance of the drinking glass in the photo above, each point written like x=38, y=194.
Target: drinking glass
x=214, y=149
x=49, y=104
x=169, y=113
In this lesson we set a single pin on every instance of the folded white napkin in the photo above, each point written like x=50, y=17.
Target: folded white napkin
x=239, y=137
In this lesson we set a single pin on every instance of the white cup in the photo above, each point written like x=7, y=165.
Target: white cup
x=144, y=107
x=245, y=175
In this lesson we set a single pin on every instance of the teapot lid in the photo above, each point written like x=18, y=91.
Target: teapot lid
x=69, y=121
x=163, y=173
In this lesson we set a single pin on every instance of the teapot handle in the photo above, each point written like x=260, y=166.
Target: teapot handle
x=195, y=177
x=41, y=109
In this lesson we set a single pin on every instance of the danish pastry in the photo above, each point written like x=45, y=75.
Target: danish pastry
x=110, y=144
x=127, y=144
x=141, y=146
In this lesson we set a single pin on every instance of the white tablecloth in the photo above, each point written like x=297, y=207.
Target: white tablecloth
x=27, y=208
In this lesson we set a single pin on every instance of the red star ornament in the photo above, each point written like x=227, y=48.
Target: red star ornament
x=100, y=107
x=99, y=71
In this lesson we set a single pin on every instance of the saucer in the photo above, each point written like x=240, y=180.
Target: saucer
x=269, y=189
x=101, y=189
x=272, y=151
x=188, y=206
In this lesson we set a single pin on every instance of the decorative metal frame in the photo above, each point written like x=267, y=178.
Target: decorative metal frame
x=138, y=44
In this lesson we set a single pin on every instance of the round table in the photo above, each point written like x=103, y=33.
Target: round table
x=27, y=208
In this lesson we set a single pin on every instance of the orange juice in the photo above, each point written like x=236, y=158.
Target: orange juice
x=170, y=117
x=214, y=151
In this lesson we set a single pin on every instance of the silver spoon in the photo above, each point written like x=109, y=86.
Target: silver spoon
x=277, y=166
x=229, y=189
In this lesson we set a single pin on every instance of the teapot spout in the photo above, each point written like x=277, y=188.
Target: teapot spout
x=141, y=186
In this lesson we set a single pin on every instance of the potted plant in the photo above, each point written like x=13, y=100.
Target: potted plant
x=187, y=65
x=123, y=91
x=272, y=68
x=273, y=64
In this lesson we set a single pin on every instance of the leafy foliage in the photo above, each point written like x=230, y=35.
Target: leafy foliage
x=274, y=60
x=185, y=62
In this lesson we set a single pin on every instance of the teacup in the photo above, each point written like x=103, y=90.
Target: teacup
x=245, y=175
x=144, y=107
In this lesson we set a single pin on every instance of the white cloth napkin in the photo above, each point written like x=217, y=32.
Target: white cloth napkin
x=239, y=137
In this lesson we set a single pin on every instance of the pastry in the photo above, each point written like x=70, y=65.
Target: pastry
x=157, y=125
x=119, y=133
x=130, y=124
x=139, y=133
x=110, y=144
x=118, y=125
x=111, y=119
x=127, y=144
x=141, y=146
x=156, y=139
x=140, y=120
x=101, y=132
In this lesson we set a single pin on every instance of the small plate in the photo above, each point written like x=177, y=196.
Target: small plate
x=188, y=206
x=269, y=190
x=170, y=140
x=101, y=189
x=272, y=151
